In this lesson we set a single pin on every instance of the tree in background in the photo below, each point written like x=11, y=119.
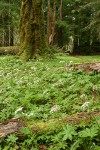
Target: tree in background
x=76, y=17
x=51, y=21
x=32, y=33
x=9, y=14
x=65, y=20
x=94, y=25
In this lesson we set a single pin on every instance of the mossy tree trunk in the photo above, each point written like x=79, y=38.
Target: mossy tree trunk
x=32, y=33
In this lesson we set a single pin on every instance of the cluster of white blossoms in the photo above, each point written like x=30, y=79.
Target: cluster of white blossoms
x=33, y=68
x=62, y=61
x=55, y=108
x=95, y=88
x=71, y=62
x=59, y=83
x=85, y=106
x=82, y=96
x=28, y=115
x=18, y=110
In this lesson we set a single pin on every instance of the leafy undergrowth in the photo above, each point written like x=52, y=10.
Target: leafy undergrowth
x=43, y=90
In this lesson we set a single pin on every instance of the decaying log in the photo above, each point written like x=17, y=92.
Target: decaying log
x=15, y=125
x=11, y=50
x=11, y=126
x=87, y=67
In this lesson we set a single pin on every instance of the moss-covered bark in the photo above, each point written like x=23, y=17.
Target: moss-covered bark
x=32, y=35
x=40, y=41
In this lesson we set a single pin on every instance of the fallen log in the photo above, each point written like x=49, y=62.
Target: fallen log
x=9, y=50
x=16, y=124
x=87, y=67
x=11, y=126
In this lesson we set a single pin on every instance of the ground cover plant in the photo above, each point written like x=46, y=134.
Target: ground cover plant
x=44, y=89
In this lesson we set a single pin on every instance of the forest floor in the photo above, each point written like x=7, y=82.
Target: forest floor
x=47, y=95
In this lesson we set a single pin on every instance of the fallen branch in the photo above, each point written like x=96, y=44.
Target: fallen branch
x=15, y=125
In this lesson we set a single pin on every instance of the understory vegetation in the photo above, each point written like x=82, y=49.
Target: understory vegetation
x=32, y=89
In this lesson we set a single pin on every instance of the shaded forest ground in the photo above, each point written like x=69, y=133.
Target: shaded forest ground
x=30, y=91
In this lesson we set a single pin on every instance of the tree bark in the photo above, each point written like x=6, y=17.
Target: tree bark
x=32, y=34
x=61, y=10
x=54, y=20
x=11, y=36
x=48, y=21
x=51, y=22
x=59, y=29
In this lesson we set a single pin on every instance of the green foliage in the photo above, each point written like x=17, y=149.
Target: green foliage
x=12, y=138
x=29, y=90
x=69, y=131
x=92, y=132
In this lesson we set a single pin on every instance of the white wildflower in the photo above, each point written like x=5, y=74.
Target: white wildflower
x=55, y=84
x=69, y=75
x=19, y=82
x=70, y=66
x=82, y=96
x=48, y=68
x=1, y=90
x=72, y=86
x=29, y=83
x=95, y=88
x=33, y=68
x=19, y=109
x=45, y=92
x=28, y=115
x=31, y=114
x=5, y=101
x=55, y=108
x=71, y=63
x=62, y=61
x=8, y=74
x=85, y=106
x=36, y=81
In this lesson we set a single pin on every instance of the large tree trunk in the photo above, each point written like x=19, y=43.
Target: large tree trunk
x=32, y=34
